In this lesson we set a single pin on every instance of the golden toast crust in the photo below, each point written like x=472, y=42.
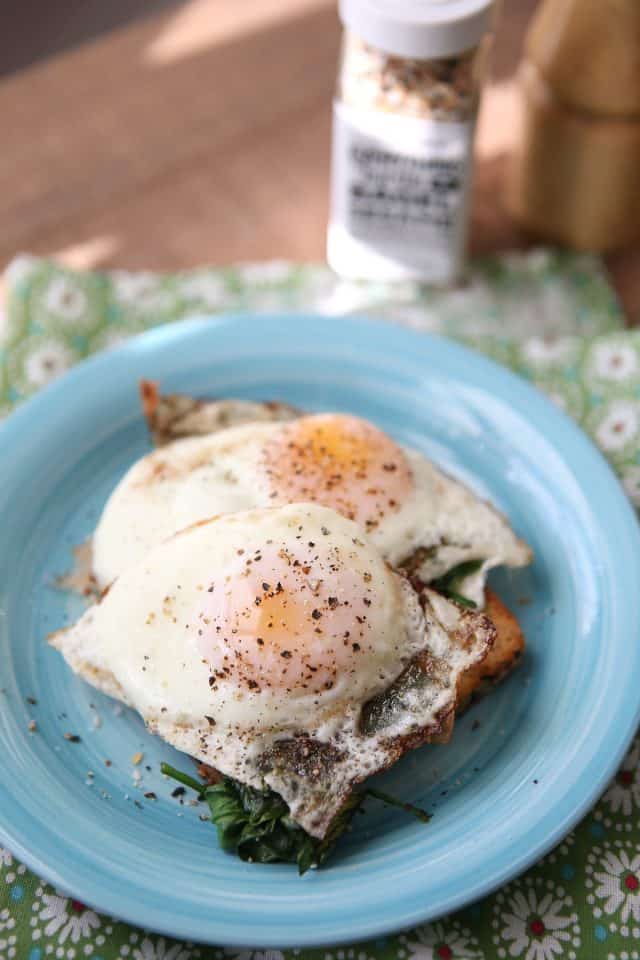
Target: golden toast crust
x=503, y=656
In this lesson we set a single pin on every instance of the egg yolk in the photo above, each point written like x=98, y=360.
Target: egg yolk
x=286, y=618
x=337, y=461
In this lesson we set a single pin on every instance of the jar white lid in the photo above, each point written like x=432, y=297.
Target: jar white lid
x=422, y=29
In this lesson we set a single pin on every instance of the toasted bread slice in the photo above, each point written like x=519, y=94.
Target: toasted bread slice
x=507, y=649
x=174, y=416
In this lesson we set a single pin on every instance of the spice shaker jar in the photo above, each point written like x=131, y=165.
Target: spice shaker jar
x=405, y=109
x=575, y=177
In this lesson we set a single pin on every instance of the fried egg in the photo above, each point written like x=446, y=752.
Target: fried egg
x=278, y=646
x=412, y=511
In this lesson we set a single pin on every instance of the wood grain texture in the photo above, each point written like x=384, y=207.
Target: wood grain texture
x=115, y=120
x=202, y=136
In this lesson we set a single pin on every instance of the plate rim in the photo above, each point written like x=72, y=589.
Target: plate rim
x=214, y=931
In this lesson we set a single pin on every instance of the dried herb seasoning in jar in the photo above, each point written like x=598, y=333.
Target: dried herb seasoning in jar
x=404, y=116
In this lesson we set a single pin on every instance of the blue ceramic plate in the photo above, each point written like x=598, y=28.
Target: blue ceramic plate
x=502, y=793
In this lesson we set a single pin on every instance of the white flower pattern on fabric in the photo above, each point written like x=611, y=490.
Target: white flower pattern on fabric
x=467, y=311
x=205, y=288
x=7, y=922
x=549, y=351
x=421, y=317
x=66, y=918
x=267, y=272
x=46, y=362
x=132, y=287
x=141, y=292
x=442, y=941
x=614, y=361
x=21, y=268
x=615, y=877
x=536, y=925
x=618, y=427
x=6, y=858
x=65, y=298
x=8, y=949
x=161, y=950
x=623, y=793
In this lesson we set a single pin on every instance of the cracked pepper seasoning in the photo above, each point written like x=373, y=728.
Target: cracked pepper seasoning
x=404, y=117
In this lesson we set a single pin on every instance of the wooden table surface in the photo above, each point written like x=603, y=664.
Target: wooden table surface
x=201, y=135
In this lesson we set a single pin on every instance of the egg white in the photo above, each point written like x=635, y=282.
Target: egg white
x=220, y=473
x=138, y=643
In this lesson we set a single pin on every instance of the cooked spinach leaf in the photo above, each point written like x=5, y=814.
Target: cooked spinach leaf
x=416, y=812
x=448, y=583
x=256, y=825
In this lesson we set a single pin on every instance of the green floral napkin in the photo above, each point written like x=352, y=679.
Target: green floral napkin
x=554, y=319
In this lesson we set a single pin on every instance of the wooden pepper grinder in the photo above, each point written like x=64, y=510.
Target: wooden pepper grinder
x=576, y=175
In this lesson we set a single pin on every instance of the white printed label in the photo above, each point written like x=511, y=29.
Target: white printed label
x=399, y=195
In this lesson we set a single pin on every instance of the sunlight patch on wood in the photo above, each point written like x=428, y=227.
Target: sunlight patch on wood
x=88, y=254
x=203, y=24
